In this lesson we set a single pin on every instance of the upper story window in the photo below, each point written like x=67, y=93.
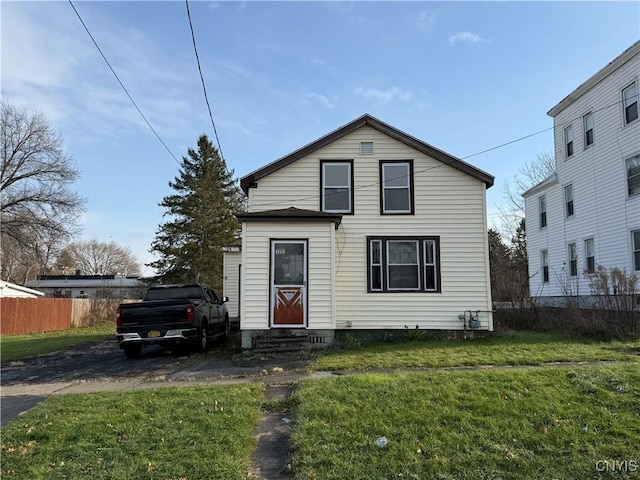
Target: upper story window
x=542, y=205
x=572, y=254
x=633, y=174
x=635, y=240
x=630, y=103
x=568, y=201
x=398, y=264
x=337, y=186
x=568, y=141
x=587, y=122
x=396, y=187
x=589, y=256
x=544, y=261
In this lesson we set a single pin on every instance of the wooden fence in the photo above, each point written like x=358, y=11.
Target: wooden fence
x=29, y=315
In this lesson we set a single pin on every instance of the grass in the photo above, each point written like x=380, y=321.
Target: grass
x=499, y=424
x=16, y=347
x=517, y=348
x=169, y=433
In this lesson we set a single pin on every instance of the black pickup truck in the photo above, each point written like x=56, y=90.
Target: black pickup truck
x=172, y=316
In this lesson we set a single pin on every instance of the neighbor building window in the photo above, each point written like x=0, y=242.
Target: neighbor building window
x=542, y=204
x=635, y=240
x=587, y=121
x=396, y=187
x=337, y=186
x=568, y=200
x=568, y=141
x=544, y=260
x=572, y=254
x=630, y=103
x=633, y=174
x=399, y=264
x=589, y=256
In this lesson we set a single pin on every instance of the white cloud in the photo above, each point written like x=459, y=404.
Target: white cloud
x=382, y=97
x=58, y=71
x=426, y=20
x=466, y=37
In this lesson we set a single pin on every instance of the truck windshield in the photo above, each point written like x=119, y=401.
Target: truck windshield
x=173, y=292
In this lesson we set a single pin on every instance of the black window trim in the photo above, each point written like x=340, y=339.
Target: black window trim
x=421, y=263
x=323, y=162
x=411, y=187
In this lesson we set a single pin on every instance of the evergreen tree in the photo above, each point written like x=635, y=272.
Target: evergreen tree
x=202, y=219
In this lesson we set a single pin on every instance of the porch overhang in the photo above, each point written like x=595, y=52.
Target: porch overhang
x=291, y=214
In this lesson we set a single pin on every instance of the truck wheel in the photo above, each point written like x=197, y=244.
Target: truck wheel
x=202, y=338
x=132, y=351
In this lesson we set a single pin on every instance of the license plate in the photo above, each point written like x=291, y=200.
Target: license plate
x=153, y=333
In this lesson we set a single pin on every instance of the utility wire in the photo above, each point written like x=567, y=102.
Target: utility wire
x=204, y=88
x=122, y=85
x=562, y=125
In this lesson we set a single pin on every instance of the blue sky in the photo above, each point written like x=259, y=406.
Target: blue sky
x=462, y=76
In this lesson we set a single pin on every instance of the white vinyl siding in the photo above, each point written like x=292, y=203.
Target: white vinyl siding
x=604, y=210
x=256, y=269
x=231, y=261
x=440, y=210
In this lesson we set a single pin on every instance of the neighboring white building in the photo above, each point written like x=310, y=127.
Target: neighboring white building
x=366, y=228
x=89, y=286
x=231, y=269
x=11, y=290
x=588, y=213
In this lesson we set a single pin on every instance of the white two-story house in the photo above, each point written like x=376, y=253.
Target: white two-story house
x=366, y=228
x=588, y=213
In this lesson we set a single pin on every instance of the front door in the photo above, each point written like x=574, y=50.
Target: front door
x=288, y=283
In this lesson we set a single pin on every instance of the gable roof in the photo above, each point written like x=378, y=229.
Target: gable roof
x=366, y=120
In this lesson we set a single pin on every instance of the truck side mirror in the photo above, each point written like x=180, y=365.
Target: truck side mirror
x=225, y=299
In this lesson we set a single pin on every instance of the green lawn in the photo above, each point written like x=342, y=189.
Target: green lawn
x=170, y=433
x=501, y=424
x=518, y=348
x=16, y=347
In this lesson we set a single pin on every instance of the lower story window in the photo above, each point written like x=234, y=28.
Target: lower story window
x=635, y=238
x=403, y=264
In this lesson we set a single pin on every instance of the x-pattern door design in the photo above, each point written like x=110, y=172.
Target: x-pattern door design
x=288, y=283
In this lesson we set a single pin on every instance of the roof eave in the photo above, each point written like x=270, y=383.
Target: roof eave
x=248, y=180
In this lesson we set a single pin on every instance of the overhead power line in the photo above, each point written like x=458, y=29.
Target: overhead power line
x=376, y=183
x=204, y=87
x=122, y=85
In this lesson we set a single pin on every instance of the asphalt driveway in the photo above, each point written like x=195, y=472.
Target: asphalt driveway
x=103, y=366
